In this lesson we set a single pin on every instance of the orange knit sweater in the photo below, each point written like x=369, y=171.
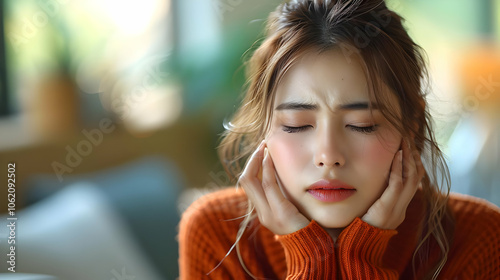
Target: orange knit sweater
x=209, y=227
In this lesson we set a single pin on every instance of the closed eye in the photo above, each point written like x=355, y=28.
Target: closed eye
x=363, y=129
x=294, y=129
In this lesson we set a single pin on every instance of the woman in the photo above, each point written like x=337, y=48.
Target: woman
x=333, y=125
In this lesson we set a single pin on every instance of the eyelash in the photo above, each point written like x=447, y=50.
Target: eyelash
x=362, y=129
x=291, y=129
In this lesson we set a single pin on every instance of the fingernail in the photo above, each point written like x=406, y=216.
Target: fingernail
x=262, y=143
x=400, y=155
x=266, y=152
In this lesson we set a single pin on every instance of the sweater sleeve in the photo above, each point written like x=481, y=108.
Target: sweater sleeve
x=486, y=254
x=205, y=240
x=475, y=250
x=361, y=248
x=309, y=253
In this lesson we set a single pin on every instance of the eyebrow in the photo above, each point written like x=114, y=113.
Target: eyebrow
x=310, y=106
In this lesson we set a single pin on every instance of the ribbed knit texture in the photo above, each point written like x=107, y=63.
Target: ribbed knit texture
x=209, y=228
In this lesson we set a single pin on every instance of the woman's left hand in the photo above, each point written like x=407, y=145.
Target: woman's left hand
x=388, y=212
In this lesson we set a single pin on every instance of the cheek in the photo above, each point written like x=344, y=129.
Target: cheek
x=377, y=152
x=376, y=158
x=288, y=153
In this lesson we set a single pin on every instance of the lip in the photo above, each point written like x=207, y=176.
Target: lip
x=331, y=190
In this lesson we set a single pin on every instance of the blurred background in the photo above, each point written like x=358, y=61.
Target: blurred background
x=112, y=111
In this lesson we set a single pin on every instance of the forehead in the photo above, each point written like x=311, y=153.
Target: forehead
x=326, y=78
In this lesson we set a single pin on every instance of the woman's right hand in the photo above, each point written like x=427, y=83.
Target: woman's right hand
x=274, y=211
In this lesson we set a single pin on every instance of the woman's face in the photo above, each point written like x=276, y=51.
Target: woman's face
x=322, y=130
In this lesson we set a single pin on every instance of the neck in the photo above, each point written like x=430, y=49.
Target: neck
x=334, y=232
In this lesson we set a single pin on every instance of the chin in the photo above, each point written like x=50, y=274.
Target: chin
x=329, y=218
x=330, y=222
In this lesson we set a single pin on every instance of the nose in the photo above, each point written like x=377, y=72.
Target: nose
x=329, y=150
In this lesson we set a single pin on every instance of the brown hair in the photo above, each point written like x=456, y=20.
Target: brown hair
x=367, y=29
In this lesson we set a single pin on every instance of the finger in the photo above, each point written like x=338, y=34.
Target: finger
x=254, y=162
x=410, y=185
x=409, y=168
x=395, y=186
x=251, y=183
x=270, y=185
x=419, y=165
x=286, y=215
